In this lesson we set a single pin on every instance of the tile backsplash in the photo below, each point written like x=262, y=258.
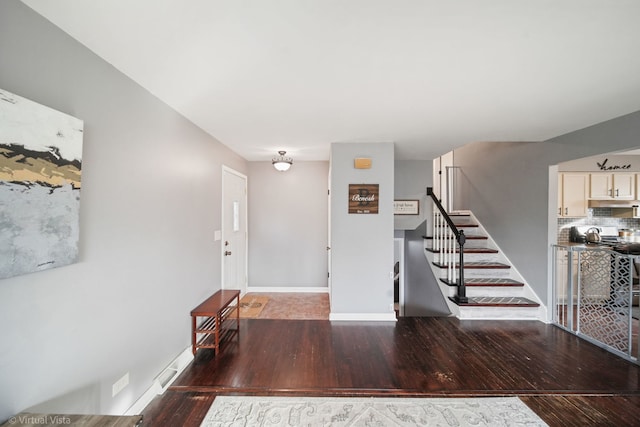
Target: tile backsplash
x=597, y=216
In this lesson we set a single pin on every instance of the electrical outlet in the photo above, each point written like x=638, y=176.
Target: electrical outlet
x=119, y=385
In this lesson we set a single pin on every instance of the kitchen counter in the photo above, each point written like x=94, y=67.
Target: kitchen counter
x=584, y=246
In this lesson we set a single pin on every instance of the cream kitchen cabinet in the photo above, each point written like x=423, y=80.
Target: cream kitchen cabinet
x=572, y=194
x=612, y=186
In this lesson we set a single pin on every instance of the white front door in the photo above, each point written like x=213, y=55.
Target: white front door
x=234, y=230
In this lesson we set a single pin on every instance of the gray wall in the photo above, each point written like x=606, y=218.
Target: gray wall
x=412, y=177
x=507, y=186
x=151, y=191
x=423, y=296
x=288, y=221
x=361, y=244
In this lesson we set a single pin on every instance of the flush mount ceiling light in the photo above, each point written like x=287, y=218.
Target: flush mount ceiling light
x=281, y=162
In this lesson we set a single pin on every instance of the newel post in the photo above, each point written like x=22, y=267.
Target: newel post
x=462, y=291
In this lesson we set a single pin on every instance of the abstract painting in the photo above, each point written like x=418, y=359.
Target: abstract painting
x=40, y=175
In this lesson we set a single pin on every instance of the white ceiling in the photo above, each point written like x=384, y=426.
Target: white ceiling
x=428, y=75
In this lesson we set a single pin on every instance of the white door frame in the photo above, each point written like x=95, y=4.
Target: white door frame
x=329, y=272
x=225, y=170
x=400, y=242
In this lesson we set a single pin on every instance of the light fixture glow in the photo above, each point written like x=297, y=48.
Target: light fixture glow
x=282, y=163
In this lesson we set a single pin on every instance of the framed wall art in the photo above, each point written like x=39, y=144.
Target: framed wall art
x=406, y=207
x=40, y=180
x=364, y=198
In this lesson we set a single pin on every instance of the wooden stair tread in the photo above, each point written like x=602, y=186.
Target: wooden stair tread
x=462, y=224
x=475, y=265
x=485, y=281
x=469, y=250
x=468, y=236
x=497, y=302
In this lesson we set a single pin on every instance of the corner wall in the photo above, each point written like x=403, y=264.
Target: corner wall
x=362, y=244
x=150, y=203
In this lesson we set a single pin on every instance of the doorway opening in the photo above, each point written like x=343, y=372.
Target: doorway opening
x=398, y=276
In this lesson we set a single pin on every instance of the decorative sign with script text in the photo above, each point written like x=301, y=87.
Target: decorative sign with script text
x=406, y=207
x=605, y=167
x=363, y=198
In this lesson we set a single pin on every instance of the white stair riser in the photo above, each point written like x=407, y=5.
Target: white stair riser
x=471, y=231
x=494, y=291
x=476, y=243
x=486, y=291
x=471, y=257
x=520, y=313
x=470, y=243
x=502, y=273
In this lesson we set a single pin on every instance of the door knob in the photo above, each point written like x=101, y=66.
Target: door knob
x=227, y=253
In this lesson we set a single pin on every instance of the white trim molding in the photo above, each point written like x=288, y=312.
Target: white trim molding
x=162, y=381
x=284, y=289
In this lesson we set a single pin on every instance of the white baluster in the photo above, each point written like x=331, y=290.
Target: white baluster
x=449, y=259
x=446, y=252
x=435, y=229
x=443, y=244
x=440, y=239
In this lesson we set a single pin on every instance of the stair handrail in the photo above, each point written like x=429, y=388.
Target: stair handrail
x=461, y=295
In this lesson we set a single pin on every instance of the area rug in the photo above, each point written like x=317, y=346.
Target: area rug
x=359, y=412
x=251, y=306
x=296, y=306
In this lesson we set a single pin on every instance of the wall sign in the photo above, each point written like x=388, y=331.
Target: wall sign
x=406, y=207
x=604, y=167
x=363, y=198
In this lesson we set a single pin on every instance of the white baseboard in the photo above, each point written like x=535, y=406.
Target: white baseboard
x=363, y=317
x=284, y=289
x=162, y=381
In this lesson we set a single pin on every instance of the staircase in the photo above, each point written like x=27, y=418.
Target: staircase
x=495, y=290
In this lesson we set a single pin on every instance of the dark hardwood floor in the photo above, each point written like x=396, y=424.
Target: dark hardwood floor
x=565, y=380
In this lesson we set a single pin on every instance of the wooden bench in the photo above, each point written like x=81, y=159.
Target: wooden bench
x=219, y=312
